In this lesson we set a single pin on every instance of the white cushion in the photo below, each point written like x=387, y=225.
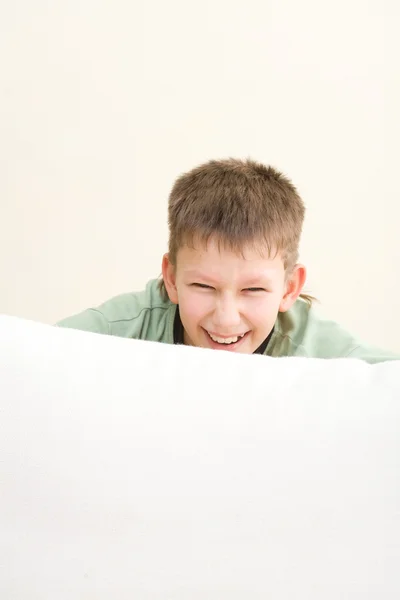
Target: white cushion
x=135, y=470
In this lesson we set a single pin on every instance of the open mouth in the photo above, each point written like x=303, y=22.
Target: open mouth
x=226, y=343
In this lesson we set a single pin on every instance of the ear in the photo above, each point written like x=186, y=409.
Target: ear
x=294, y=285
x=169, y=277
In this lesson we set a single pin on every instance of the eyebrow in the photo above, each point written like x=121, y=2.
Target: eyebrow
x=199, y=275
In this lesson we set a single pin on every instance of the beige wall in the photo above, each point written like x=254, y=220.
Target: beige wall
x=104, y=103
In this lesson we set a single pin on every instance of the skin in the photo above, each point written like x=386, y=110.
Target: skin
x=226, y=294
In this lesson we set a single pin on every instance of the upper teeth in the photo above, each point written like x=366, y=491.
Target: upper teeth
x=230, y=340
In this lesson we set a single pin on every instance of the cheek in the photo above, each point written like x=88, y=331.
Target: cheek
x=193, y=306
x=261, y=312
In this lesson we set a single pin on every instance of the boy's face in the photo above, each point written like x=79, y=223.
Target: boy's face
x=228, y=301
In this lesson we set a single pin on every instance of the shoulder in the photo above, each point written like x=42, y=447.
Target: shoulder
x=135, y=315
x=302, y=331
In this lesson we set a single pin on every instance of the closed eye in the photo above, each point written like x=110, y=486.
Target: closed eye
x=202, y=286
x=209, y=287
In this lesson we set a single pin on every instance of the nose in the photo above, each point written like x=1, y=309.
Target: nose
x=226, y=315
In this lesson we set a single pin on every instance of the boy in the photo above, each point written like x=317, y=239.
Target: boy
x=230, y=280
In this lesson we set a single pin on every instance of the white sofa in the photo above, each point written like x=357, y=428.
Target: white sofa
x=133, y=470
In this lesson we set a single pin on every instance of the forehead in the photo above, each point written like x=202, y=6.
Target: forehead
x=213, y=259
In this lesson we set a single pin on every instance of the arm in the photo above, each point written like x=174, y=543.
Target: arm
x=88, y=320
x=372, y=355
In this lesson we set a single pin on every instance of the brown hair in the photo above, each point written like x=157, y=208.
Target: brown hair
x=241, y=203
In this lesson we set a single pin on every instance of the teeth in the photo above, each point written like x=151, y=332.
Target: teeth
x=230, y=340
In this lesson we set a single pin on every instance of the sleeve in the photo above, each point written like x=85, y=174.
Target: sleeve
x=88, y=320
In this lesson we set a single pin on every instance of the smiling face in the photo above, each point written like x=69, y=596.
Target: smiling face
x=229, y=301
